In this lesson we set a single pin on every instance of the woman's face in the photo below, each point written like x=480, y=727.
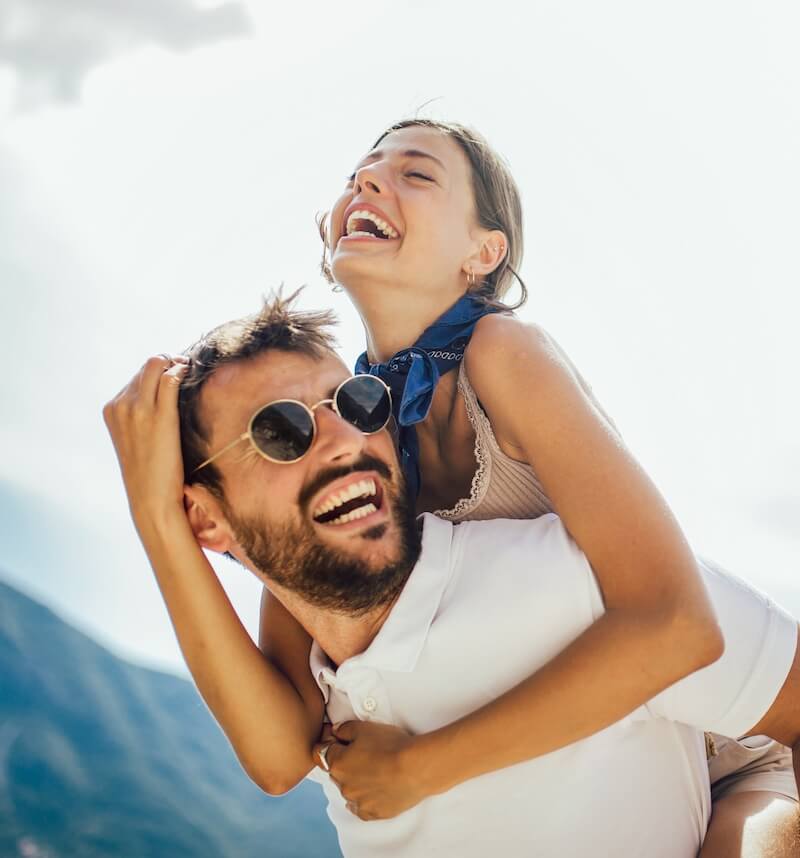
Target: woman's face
x=407, y=215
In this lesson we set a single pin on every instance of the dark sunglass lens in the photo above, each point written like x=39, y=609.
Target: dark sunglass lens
x=365, y=402
x=283, y=431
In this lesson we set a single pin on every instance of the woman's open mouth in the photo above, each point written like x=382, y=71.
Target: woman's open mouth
x=366, y=224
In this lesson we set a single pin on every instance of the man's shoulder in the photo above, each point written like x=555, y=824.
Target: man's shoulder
x=527, y=553
x=521, y=587
x=514, y=536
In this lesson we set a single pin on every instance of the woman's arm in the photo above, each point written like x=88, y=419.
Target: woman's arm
x=659, y=625
x=287, y=645
x=271, y=727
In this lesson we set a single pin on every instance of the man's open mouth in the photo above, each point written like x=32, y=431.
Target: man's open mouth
x=358, y=500
x=364, y=223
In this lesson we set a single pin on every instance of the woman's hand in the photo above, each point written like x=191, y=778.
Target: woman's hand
x=371, y=765
x=143, y=422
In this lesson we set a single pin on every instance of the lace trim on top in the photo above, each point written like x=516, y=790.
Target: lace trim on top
x=483, y=462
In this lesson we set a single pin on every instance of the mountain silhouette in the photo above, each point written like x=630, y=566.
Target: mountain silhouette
x=99, y=757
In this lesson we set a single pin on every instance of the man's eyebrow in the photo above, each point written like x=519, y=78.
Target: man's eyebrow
x=332, y=389
x=376, y=154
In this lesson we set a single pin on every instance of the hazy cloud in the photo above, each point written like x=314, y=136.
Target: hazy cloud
x=52, y=44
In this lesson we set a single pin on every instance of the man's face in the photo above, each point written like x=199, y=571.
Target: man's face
x=334, y=527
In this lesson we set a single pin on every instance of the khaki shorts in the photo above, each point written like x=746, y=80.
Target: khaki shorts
x=749, y=764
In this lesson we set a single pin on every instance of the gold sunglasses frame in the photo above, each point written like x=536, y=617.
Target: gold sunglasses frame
x=248, y=435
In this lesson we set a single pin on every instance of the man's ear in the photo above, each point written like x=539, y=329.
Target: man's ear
x=491, y=251
x=207, y=519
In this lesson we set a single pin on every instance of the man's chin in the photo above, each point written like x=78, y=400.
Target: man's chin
x=351, y=567
x=374, y=545
x=339, y=535
x=375, y=533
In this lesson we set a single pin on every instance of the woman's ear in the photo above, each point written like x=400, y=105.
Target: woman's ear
x=207, y=519
x=492, y=250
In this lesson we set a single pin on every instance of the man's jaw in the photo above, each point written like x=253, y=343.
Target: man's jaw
x=352, y=567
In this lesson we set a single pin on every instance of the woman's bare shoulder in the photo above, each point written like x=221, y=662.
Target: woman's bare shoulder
x=498, y=327
x=505, y=347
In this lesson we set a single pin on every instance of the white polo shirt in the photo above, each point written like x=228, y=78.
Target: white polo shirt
x=487, y=605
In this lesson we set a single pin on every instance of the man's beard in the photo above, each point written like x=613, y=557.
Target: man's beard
x=292, y=555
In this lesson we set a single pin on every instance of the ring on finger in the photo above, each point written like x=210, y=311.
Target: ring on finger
x=322, y=753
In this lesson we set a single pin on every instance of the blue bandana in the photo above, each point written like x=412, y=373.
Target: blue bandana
x=412, y=374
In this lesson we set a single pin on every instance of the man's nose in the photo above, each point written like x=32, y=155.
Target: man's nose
x=337, y=439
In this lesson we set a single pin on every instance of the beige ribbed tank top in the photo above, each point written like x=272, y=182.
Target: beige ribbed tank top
x=502, y=487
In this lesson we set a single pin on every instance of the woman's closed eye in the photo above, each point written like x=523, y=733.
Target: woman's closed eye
x=412, y=174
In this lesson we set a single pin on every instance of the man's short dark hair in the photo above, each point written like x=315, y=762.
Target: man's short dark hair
x=277, y=326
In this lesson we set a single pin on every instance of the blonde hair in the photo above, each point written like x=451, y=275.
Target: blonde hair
x=497, y=204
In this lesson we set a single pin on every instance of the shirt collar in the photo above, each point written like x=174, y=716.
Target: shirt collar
x=400, y=640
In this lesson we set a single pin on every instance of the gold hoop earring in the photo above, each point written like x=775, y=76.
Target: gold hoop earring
x=470, y=278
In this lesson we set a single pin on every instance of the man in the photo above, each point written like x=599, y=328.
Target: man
x=408, y=627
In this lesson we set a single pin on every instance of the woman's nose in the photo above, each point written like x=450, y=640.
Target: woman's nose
x=369, y=178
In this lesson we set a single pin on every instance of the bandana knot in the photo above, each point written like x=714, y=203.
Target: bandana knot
x=413, y=373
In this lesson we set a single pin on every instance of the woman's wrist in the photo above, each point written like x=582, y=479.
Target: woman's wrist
x=159, y=525
x=424, y=760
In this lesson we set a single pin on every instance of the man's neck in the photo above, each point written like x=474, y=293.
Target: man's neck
x=340, y=635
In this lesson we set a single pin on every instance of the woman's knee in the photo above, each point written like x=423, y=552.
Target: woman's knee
x=757, y=824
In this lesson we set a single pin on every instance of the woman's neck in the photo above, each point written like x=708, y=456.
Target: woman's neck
x=392, y=325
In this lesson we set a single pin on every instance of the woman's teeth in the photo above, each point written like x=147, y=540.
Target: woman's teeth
x=365, y=215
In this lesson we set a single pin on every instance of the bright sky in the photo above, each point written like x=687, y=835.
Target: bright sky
x=161, y=176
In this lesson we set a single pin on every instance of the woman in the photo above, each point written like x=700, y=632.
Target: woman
x=460, y=221
x=429, y=216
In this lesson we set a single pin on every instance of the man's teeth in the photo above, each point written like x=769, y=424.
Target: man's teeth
x=363, y=214
x=365, y=488
x=361, y=512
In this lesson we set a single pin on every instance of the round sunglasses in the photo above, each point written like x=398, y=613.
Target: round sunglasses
x=284, y=430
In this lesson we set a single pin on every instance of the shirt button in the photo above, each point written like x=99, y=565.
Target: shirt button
x=370, y=704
